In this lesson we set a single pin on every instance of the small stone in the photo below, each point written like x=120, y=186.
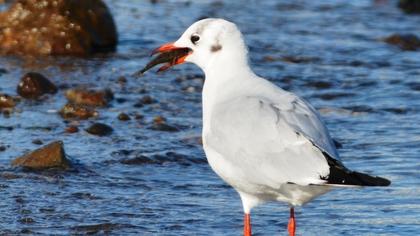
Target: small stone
x=299, y=59
x=164, y=127
x=37, y=141
x=49, y=156
x=6, y=101
x=72, y=129
x=159, y=120
x=121, y=100
x=159, y=124
x=89, y=97
x=123, y=117
x=74, y=111
x=146, y=100
x=409, y=42
x=99, y=129
x=33, y=85
x=2, y=148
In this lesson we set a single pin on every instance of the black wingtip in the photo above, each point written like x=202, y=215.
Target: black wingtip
x=368, y=180
x=340, y=175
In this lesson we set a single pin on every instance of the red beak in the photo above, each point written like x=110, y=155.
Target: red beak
x=169, y=54
x=164, y=48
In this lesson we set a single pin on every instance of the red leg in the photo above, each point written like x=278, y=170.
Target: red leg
x=247, y=225
x=291, y=227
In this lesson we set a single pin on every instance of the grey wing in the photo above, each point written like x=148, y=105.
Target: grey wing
x=265, y=142
x=305, y=120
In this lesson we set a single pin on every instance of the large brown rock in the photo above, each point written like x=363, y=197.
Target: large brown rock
x=49, y=156
x=57, y=27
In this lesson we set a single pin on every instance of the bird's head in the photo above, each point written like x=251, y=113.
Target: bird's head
x=203, y=43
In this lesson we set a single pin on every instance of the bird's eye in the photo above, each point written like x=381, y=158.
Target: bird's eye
x=195, y=38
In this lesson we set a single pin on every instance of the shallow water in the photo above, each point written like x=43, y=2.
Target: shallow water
x=329, y=52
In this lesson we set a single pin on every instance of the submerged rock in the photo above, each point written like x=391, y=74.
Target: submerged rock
x=409, y=42
x=410, y=6
x=37, y=141
x=48, y=156
x=89, y=97
x=74, y=111
x=123, y=117
x=145, y=100
x=57, y=27
x=159, y=124
x=99, y=129
x=33, y=85
x=72, y=129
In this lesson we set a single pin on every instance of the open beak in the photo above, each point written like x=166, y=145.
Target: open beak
x=168, y=54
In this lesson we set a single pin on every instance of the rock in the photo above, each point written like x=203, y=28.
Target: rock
x=72, y=129
x=2, y=148
x=122, y=80
x=319, y=84
x=123, y=117
x=146, y=100
x=89, y=97
x=409, y=42
x=37, y=141
x=70, y=111
x=138, y=116
x=99, y=129
x=410, y=6
x=48, y=156
x=299, y=59
x=159, y=124
x=164, y=127
x=57, y=27
x=6, y=101
x=159, y=120
x=138, y=160
x=33, y=85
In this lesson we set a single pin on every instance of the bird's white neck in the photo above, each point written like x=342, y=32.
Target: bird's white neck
x=225, y=76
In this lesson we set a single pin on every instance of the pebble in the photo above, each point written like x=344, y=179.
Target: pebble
x=37, y=141
x=123, y=117
x=70, y=111
x=99, y=129
x=33, y=85
x=89, y=97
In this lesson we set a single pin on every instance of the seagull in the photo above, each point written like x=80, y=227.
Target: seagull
x=265, y=142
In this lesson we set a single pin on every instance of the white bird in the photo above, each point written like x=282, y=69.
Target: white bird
x=267, y=143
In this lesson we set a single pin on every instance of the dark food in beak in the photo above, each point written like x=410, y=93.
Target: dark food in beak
x=168, y=54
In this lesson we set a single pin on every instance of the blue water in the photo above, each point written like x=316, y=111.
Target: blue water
x=368, y=93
